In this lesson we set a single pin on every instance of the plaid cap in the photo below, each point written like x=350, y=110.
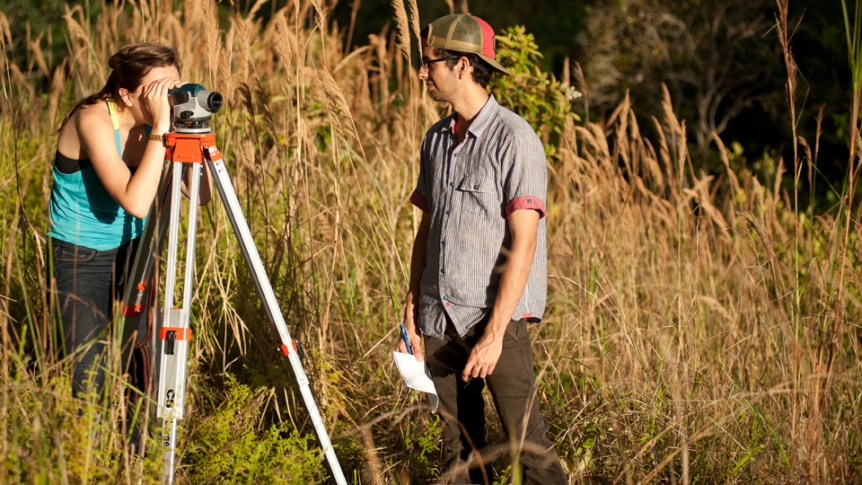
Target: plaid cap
x=464, y=33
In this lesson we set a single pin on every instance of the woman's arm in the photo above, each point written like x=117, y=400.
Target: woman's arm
x=134, y=193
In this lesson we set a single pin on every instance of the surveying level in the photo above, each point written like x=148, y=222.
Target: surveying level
x=192, y=145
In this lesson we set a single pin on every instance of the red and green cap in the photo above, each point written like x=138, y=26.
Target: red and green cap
x=464, y=33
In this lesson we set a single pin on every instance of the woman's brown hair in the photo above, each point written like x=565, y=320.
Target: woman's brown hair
x=128, y=67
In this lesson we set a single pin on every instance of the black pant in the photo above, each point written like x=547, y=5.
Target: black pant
x=513, y=388
x=88, y=285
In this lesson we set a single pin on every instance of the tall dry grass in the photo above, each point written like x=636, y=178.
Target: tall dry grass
x=692, y=334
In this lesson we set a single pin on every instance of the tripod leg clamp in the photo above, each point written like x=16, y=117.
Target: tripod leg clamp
x=286, y=350
x=172, y=380
x=171, y=334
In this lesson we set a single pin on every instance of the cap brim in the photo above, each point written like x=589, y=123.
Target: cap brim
x=496, y=65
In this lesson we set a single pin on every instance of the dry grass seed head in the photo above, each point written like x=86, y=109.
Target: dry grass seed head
x=700, y=194
x=58, y=89
x=654, y=170
x=403, y=39
x=285, y=45
x=5, y=33
x=414, y=20
x=600, y=145
x=38, y=56
x=337, y=105
x=79, y=46
x=239, y=26
x=669, y=117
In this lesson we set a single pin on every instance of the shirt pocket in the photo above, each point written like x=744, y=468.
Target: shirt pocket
x=476, y=184
x=479, y=198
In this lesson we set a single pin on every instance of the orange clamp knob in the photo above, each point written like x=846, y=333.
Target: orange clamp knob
x=182, y=333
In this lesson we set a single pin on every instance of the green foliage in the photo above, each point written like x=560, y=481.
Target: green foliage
x=229, y=448
x=532, y=93
x=58, y=439
x=421, y=442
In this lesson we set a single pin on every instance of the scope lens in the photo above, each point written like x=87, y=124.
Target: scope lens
x=214, y=101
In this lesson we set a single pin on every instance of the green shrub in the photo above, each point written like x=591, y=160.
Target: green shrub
x=532, y=93
x=228, y=447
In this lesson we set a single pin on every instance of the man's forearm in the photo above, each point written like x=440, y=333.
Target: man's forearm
x=524, y=226
x=417, y=267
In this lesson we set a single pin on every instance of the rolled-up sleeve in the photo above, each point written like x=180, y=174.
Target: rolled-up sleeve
x=419, y=200
x=526, y=185
x=526, y=202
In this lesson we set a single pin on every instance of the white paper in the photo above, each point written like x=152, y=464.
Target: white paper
x=416, y=376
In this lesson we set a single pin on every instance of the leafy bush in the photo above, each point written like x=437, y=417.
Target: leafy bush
x=532, y=93
x=421, y=440
x=228, y=447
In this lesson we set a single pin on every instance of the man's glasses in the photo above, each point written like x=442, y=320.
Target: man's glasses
x=427, y=62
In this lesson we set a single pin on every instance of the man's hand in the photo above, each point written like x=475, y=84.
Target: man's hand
x=415, y=339
x=484, y=356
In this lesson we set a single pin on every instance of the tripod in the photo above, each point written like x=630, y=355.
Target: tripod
x=194, y=149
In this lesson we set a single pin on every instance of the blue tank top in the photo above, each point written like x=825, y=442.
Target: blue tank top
x=81, y=211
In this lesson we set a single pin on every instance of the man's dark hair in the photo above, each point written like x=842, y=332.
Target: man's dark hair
x=482, y=71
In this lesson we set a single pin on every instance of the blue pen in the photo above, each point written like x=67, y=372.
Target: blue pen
x=406, y=342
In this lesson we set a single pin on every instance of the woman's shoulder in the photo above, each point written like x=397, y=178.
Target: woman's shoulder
x=93, y=124
x=89, y=129
x=82, y=122
x=93, y=113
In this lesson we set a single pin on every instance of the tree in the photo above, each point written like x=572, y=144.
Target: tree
x=716, y=58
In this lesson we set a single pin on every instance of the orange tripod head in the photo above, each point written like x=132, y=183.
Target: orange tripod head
x=188, y=147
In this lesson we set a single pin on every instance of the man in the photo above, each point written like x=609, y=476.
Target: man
x=479, y=263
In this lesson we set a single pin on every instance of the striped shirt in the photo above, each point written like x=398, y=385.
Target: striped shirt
x=470, y=190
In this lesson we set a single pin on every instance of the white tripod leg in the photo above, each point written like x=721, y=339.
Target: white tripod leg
x=264, y=287
x=140, y=309
x=138, y=293
x=175, y=335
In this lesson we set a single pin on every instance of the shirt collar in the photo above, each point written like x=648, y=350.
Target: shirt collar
x=480, y=121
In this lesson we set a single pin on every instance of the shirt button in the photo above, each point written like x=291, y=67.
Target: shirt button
x=451, y=184
x=443, y=271
x=529, y=201
x=475, y=187
x=447, y=213
x=445, y=298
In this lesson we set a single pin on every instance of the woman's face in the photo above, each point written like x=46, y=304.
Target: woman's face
x=168, y=72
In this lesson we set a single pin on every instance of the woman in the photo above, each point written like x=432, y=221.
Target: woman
x=109, y=161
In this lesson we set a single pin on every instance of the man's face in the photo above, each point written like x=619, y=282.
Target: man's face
x=439, y=77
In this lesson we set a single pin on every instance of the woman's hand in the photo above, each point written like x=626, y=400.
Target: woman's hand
x=155, y=101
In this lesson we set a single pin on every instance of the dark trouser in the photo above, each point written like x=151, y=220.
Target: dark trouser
x=513, y=388
x=88, y=284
